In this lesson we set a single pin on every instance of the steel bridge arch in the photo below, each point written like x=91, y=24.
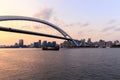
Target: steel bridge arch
x=7, y=18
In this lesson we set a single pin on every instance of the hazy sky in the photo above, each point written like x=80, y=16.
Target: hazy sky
x=96, y=19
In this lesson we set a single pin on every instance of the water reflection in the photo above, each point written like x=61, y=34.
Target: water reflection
x=66, y=64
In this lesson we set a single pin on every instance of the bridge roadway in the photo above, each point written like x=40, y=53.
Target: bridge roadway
x=31, y=33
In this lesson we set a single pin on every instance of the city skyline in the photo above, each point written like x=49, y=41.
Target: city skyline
x=21, y=43
x=80, y=19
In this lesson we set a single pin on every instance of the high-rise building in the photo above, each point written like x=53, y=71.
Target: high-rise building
x=82, y=42
x=116, y=42
x=39, y=43
x=36, y=44
x=44, y=43
x=21, y=43
x=16, y=45
x=109, y=44
x=102, y=44
x=89, y=41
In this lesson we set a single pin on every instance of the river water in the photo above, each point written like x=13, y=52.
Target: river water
x=66, y=64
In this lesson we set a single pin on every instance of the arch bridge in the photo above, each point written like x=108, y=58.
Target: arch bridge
x=7, y=18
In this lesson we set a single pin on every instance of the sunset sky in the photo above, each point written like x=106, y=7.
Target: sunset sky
x=82, y=19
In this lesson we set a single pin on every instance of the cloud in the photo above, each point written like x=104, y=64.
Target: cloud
x=44, y=13
x=80, y=33
x=108, y=28
x=65, y=24
x=36, y=27
x=78, y=24
x=112, y=21
x=32, y=27
x=86, y=24
x=118, y=29
x=49, y=15
x=70, y=25
x=26, y=27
